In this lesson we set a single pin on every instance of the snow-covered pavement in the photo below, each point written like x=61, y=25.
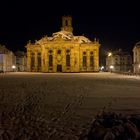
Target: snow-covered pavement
x=77, y=96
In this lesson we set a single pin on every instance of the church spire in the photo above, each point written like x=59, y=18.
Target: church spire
x=67, y=24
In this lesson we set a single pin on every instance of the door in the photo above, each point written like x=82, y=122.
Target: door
x=59, y=68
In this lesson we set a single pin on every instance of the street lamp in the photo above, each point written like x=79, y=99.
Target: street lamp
x=102, y=68
x=111, y=68
x=109, y=54
x=13, y=67
x=139, y=67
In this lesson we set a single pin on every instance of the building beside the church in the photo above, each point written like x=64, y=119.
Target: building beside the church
x=136, y=58
x=21, y=61
x=7, y=60
x=63, y=52
x=119, y=61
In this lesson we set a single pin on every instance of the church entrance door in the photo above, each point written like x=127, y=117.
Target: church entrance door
x=59, y=68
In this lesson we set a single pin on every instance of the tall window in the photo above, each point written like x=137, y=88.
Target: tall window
x=84, y=59
x=39, y=59
x=67, y=58
x=32, y=59
x=91, y=61
x=50, y=60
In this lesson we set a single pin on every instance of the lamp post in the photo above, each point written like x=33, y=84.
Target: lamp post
x=109, y=61
x=102, y=68
x=111, y=68
x=13, y=67
x=109, y=54
x=139, y=68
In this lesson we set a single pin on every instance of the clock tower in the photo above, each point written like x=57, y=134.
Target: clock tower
x=67, y=24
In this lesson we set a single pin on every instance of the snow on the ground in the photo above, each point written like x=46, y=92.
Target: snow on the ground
x=97, y=89
x=72, y=98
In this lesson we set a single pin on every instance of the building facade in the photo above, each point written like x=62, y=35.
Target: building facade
x=136, y=58
x=63, y=52
x=21, y=61
x=119, y=61
x=7, y=59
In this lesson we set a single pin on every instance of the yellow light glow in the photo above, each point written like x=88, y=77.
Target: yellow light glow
x=13, y=67
x=102, y=67
x=111, y=67
x=109, y=54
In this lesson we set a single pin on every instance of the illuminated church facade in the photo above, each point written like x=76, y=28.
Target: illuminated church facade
x=63, y=52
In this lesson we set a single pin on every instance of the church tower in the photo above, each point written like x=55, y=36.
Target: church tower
x=67, y=24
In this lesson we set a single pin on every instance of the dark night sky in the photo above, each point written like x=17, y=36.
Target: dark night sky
x=116, y=24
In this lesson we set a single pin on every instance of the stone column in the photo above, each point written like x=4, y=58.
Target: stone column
x=42, y=61
x=46, y=60
x=80, y=60
x=36, y=63
x=72, y=59
x=54, y=60
x=64, y=60
x=96, y=60
x=88, y=60
x=28, y=60
x=76, y=60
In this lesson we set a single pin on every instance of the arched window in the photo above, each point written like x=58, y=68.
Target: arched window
x=84, y=53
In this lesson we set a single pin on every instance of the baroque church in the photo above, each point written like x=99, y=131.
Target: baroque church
x=63, y=52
